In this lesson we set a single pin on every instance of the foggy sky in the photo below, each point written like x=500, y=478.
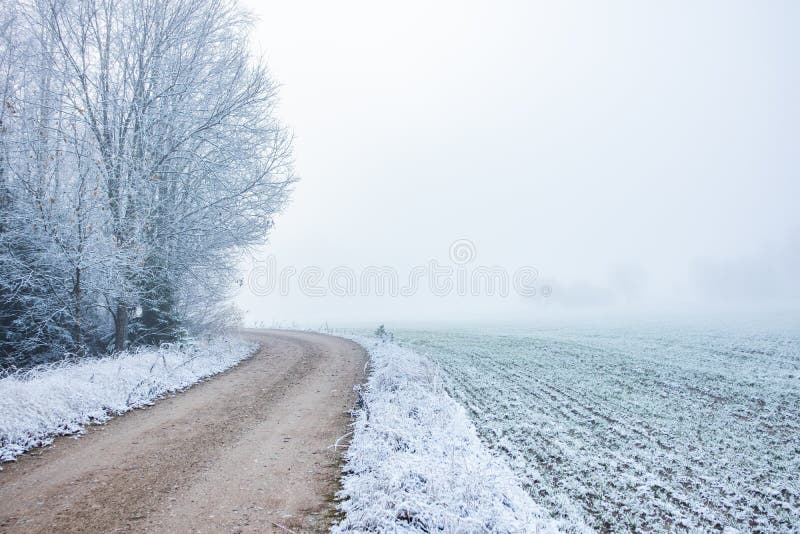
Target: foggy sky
x=637, y=154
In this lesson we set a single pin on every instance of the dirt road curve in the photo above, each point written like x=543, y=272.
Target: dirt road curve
x=247, y=451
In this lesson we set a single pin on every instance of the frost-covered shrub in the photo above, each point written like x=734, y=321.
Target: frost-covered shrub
x=416, y=463
x=383, y=334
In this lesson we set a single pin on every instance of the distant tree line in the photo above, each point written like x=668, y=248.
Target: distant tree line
x=139, y=152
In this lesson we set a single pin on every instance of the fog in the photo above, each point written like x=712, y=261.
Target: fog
x=640, y=156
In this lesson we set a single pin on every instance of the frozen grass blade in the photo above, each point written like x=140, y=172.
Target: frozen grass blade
x=62, y=398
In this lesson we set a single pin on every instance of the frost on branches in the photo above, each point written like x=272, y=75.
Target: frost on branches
x=139, y=152
x=416, y=463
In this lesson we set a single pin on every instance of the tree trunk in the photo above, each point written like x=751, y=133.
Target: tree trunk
x=76, y=293
x=120, y=328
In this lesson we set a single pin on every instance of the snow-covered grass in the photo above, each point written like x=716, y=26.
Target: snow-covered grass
x=640, y=427
x=416, y=464
x=62, y=398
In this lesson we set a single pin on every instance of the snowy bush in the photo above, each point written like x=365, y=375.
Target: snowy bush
x=416, y=463
x=62, y=398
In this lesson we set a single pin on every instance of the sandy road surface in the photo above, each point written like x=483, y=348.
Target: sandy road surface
x=247, y=451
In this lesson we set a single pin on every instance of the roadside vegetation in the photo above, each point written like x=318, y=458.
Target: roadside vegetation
x=416, y=463
x=64, y=397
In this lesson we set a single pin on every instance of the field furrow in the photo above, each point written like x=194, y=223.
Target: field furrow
x=638, y=430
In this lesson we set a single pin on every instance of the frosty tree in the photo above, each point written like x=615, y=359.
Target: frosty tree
x=139, y=153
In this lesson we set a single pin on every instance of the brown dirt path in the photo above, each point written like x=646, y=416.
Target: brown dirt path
x=247, y=451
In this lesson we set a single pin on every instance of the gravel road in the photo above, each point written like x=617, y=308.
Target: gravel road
x=250, y=450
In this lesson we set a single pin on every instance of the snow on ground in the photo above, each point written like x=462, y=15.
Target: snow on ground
x=657, y=427
x=416, y=463
x=62, y=398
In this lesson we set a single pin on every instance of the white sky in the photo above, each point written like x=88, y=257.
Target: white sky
x=636, y=153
